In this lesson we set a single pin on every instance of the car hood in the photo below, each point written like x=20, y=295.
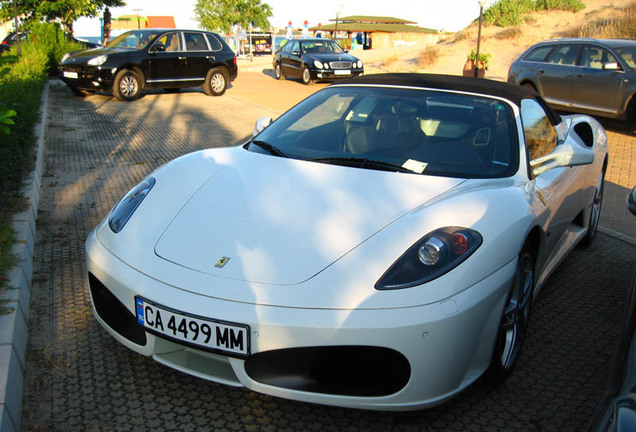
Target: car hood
x=85, y=55
x=331, y=57
x=280, y=221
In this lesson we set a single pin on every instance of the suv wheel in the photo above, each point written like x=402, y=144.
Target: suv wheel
x=215, y=82
x=127, y=86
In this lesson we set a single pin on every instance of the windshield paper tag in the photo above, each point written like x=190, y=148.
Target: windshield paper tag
x=415, y=166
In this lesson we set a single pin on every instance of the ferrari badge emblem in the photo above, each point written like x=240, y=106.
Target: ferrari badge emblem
x=221, y=262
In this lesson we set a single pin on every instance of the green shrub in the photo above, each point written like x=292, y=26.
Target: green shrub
x=566, y=5
x=506, y=13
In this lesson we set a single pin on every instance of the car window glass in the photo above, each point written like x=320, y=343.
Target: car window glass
x=628, y=55
x=595, y=57
x=195, y=41
x=214, y=43
x=565, y=55
x=540, y=134
x=539, y=54
x=172, y=42
x=293, y=47
x=421, y=131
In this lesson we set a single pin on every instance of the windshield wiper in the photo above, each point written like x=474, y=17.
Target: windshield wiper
x=363, y=163
x=269, y=148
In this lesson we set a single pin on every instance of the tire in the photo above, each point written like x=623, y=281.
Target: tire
x=306, y=76
x=514, y=322
x=215, y=82
x=80, y=93
x=278, y=72
x=127, y=85
x=595, y=212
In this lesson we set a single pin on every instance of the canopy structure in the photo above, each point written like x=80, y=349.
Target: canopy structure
x=371, y=24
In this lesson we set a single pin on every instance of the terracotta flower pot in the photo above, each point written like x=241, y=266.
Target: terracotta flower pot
x=469, y=69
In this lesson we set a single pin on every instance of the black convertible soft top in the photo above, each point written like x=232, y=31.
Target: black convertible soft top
x=513, y=93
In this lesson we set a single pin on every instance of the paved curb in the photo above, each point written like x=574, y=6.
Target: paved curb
x=13, y=325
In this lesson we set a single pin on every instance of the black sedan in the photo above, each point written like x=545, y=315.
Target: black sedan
x=315, y=60
x=152, y=58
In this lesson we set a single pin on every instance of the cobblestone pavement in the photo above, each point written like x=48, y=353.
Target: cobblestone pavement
x=80, y=379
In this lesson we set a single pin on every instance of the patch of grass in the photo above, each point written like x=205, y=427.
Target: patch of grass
x=621, y=26
x=22, y=79
x=505, y=13
x=509, y=33
x=428, y=57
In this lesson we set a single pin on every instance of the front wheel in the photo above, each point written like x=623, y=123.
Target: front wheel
x=215, y=82
x=278, y=71
x=306, y=76
x=127, y=85
x=514, y=322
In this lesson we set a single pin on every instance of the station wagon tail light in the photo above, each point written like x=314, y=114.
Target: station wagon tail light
x=126, y=207
x=98, y=61
x=432, y=256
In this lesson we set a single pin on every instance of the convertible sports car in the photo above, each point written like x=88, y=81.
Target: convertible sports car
x=378, y=246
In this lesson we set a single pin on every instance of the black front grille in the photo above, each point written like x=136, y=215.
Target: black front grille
x=343, y=370
x=114, y=313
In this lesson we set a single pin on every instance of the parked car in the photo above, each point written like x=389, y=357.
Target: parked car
x=315, y=60
x=591, y=76
x=10, y=40
x=152, y=58
x=377, y=246
x=616, y=411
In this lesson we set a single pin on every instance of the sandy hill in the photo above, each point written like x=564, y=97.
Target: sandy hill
x=504, y=44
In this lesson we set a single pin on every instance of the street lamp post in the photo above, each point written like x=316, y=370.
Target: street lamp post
x=482, y=3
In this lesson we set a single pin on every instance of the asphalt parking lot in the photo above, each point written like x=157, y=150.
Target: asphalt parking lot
x=79, y=379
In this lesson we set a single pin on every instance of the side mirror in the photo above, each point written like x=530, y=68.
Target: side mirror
x=564, y=155
x=631, y=201
x=610, y=66
x=296, y=53
x=261, y=124
x=158, y=47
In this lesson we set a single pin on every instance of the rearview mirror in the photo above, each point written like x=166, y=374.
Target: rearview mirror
x=261, y=124
x=564, y=155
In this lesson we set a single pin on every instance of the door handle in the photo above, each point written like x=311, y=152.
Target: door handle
x=182, y=58
x=210, y=57
x=541, y=70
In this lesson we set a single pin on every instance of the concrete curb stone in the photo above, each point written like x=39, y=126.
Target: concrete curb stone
x=14, y=301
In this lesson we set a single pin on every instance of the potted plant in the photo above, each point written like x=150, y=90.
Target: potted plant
x=482, y=65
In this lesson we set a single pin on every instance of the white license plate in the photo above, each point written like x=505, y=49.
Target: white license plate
x=70, y=75
x=208, y=334
x=342, y=72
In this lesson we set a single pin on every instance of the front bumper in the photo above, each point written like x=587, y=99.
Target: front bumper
x=333, y=74
x=385, y=359
x=87, y=77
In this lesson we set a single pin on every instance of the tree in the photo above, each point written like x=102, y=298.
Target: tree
x=224, y=14
x=65, y=11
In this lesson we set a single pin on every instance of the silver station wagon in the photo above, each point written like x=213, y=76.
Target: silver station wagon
x=591, y=76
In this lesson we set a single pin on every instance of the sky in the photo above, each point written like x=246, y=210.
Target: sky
x=450, y=15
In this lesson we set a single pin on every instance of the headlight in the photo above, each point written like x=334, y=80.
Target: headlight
x=64, y=57
x=128, y=204
x=318, y=64
x=98, y=61
x=432, y=256
x=359, y=64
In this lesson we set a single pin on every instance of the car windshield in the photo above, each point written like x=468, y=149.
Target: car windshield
x=135, y=39
x=629, y=55
x=321, y=47
x=396, y=129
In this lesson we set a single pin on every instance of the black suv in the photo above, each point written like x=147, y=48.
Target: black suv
x=151, y=58
x=590, y=76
